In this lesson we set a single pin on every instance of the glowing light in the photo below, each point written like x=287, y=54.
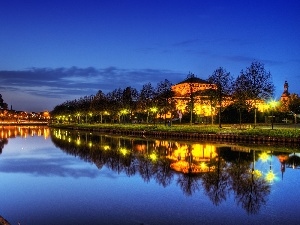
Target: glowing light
x=257, y=173
x=270, y=176
x=153, y=109
x=153, y=156
x=203, y=166
x=106, y=147
x=264, y=157
x=124, y=111
x=123, y=151
x=273, y=103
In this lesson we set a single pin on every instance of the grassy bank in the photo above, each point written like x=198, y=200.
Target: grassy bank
x=279, y=131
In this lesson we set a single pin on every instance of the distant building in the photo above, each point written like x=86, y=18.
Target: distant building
x=286, y=98
x=285, y=95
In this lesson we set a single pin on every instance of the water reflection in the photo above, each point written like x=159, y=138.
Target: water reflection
x=21, y=131
x=217, y=169
x=220, y=171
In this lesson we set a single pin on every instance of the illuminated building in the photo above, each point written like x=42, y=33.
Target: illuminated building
x=203, y=104
x=197, y=87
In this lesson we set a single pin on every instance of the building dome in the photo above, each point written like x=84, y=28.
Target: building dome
x=190, y=85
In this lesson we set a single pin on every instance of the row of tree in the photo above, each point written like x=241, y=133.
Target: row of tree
x=127, y=105
x=122, y=104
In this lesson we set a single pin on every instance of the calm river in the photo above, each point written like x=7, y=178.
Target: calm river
x=53, y=177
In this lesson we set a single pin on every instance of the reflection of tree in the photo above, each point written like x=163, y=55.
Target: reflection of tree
x=3, y=141
x=237, y=169
x=231, y=171
x=249, y=186
x=239, y=164
x=164, y=175
x=252, y=192
x=145, y=168
x=188, y=183
x=216, y=183
x=293, y=161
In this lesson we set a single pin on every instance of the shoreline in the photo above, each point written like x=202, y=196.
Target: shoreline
x=3, y=124
x=226, y=135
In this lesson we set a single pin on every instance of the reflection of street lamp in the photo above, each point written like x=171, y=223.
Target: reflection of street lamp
x=78, y=117
x=270, y=176
x=272, y=104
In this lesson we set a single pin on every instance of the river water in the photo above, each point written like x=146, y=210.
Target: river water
x=54, y=176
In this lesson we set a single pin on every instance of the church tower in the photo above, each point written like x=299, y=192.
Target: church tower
x=285, y=95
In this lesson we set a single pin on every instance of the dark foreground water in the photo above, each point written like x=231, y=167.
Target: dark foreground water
x=61, y=177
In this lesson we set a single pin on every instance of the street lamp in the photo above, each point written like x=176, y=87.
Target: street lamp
x=154, y=110
x=273, y=105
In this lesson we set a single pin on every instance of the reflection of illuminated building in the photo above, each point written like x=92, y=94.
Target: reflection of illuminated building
x=193, y=158
x=24, y=131
x=184, y=158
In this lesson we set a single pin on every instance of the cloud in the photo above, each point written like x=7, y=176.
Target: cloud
x=186, y=42
x=49, y=163
x=247, y=59
x=61, y=84
x=46, y=167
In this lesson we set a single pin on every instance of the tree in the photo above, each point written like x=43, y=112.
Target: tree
x=3, y=105
x=115, y=103
x=164, y=97
x=223, y=82
x=257, y=84
x=99, y=104
x=145, y=101
x=240, y=97
x=129, y=100
x=294, y=103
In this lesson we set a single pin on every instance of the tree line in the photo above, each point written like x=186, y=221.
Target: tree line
x=252, y=85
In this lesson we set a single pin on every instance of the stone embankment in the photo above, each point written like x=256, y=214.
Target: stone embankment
x=226, y=137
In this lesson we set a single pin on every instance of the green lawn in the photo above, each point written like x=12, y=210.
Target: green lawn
x=282, y=130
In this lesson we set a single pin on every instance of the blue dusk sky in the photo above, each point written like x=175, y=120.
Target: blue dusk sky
x=57, y=50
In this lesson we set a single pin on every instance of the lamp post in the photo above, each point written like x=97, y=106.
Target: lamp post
x=153, y=110
x=273, y=104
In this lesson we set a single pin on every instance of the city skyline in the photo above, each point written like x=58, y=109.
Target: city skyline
x=60, y=50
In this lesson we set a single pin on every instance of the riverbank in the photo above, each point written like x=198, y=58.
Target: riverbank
x=262, y=133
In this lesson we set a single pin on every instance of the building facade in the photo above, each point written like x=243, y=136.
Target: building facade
x=196, y=90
